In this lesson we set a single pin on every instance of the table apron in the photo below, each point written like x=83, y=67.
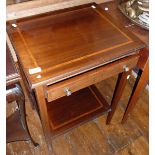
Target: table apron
x=81, y=81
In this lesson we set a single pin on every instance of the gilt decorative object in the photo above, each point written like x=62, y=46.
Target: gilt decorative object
x=137, y=11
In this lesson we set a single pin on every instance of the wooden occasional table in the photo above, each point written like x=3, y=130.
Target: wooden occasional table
x=63, y=54
x=143, y=63
x=16, y=125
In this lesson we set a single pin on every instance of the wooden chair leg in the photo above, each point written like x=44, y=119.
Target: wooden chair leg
x=18, y=118
x=22, y=110
x=120, y=85
x=136, y=92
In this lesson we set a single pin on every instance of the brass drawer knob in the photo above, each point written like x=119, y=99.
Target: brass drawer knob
x=126, y=69
x=67, y=91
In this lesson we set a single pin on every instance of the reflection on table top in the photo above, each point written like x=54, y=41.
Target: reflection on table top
x=55, y=46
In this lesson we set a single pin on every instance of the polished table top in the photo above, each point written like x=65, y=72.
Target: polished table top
x=55, y=46
x=141, y=33
x=126, y=23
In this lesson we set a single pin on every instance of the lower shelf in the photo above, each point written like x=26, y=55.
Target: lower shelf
x=82, y=106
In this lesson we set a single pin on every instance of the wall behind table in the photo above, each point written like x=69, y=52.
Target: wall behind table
x=40, y=6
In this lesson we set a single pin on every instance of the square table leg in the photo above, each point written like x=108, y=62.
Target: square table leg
x=120, y=85
x=137, y=90
x=40, y=95
x=143, y=65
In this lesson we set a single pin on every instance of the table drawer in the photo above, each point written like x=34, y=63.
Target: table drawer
x=67, y=87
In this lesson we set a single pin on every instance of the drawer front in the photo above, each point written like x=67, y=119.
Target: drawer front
x=67, y=87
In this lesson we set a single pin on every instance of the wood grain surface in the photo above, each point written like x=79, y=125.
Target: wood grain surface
x=69, y=112
x=69, y=42
x=117, y=15
x=143, y=63
x=92, y=77
x=66, y=43
x=95, y=137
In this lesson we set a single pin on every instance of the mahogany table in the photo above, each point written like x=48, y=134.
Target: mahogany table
x=16, y=124
x=143, y=63
x=63, y=54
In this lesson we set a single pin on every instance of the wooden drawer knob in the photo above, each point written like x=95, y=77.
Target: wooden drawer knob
x=67, y=91
x=126, y=69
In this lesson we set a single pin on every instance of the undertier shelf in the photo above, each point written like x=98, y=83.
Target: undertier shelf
x=71, y=111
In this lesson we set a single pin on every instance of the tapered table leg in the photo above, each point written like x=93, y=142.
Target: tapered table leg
x=40, y=95
x=136, y=92
x=120, y=85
